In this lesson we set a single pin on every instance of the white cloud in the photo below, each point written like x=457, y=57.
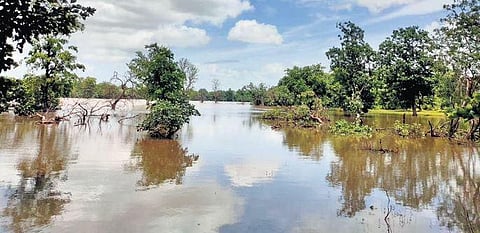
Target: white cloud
x=251, y=31
x=120, y=27
x=416, y=8
x=376, y=6
x=252, y=172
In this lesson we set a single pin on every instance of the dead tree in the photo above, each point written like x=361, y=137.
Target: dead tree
x=125, y=81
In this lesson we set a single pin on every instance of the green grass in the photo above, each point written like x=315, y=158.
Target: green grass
x=408, y=113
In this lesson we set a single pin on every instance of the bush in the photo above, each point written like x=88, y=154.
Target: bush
x=345, y=128
x=407, y=130
x=166, y=118
x=296, y=115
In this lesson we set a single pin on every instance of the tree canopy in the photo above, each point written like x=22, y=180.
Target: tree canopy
x=24, y=21
x=406, y=65
x=164, y=80
x=352, y=65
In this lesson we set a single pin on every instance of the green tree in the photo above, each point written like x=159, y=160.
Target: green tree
x=203, y=94
x=58, y=64
x=84, y=88
x=164, y=81
x=407, y=65
x=106, y=90
x=460, y=43
x=280, y=96
x=8, y=92
x=229, y=95
x=258, y=92
x=24, y=21
x=352, y=65
x=158, y=71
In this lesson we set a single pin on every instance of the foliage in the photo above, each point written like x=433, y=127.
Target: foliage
x=346, y=128
x=84, y=88
x=460, y=42
x=24, y=21
x=406, y=66
x=6, y=87
x=352, y=65
x=407, y=130
x=164, y=82
x=58, y=63
x=299, y=80
x=159, y=72
x=106, y=90
x=166, y=118
x=279, y=96
x=301, y=115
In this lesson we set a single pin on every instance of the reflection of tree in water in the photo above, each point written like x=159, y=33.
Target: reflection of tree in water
x=460, y=208
x=307, y=142
x=34, y=201
x=414, y=176
x=160, y=161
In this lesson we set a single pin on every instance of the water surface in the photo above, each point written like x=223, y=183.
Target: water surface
x=230, y=172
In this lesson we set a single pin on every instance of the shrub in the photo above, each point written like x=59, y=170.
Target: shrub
x=345, y=128
x=407, y=130
x=166, y=118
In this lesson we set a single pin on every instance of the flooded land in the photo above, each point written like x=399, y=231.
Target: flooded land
x=230, y=172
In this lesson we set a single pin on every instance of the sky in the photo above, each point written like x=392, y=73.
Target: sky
x=236, y=41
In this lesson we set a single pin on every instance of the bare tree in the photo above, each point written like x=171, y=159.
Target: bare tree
x=191, y=73
x=126, y=81
x=215, y=89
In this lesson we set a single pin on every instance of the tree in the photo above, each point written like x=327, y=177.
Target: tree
x=215, y=89
x=460, y=43
x=126, y=81
x=160, y=75
x=407, y=65
x=7, y=92
x=58, y=63
x=190, y=71
x=84, y=88
x=106, y=90
x=301, y=79
x=258, y=93
x=158, y=71
x=24, y=21
x=202, y=94
x=352, y=65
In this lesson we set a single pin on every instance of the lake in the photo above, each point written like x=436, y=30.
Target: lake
x=228, y=171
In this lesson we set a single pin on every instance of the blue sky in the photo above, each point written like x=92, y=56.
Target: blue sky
x=236, y=41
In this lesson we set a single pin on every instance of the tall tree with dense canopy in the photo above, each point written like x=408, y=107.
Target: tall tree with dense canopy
x=460, y=38
x=352, y=65
x=159, y=73
x=58, y=63
x=407, y=65
x=24, y=21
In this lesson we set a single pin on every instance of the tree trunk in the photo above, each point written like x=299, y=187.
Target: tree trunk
x=414, y=108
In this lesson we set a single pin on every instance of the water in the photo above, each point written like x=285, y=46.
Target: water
x=230, y=172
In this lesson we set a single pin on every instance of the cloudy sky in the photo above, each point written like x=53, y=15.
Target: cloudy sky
x=237, y=41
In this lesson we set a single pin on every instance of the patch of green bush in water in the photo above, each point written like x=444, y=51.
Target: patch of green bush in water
x=296, y=115
x=407, y=130
x=346, y=128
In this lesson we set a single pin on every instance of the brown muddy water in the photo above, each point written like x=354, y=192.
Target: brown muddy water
x=229, y=172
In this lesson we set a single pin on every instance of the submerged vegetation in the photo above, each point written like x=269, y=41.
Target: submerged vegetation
x=412, y=69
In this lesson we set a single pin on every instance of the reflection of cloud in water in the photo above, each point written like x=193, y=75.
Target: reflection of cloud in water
x=169, y=209
x=250, y=173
